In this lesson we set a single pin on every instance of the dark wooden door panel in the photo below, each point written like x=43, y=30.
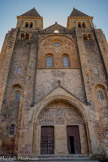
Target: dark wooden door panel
x=47, y=140
x=73, y=140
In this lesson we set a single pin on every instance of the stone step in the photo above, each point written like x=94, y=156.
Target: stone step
x=63, y=156
x=56, y=158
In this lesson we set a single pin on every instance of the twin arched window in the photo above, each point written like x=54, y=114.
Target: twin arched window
x=28, y=24
x=24, y=36
x=81, y=24
x=87, y=36
x=49, y=61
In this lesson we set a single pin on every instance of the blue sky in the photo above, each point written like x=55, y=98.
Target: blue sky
x=52, y=11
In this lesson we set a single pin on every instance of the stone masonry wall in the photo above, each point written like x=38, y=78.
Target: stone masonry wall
x=47, y=80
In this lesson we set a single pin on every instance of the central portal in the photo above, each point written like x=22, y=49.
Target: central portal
x=60, y=129
x=73, y=140
x=47, y=140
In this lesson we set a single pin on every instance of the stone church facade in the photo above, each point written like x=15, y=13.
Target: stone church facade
x=54, y=88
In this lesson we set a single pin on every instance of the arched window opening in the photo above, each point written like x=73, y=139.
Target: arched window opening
x=57, y=44
x=96, y=70
x=85, y=36
x=65, y=61
x=17, y=96
x=87, y=77
x=26, y=25
x=12, y=129
x=56, y=31
x=83, y=25
x=19, y=70
x=27, y=36
x=89, y=37
x=22, y=36
x=18, y=86
x=49, y=61
x=79, y=24
x=31, y=24
x=100, y=96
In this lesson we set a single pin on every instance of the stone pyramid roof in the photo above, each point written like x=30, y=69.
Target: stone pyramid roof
x=31, y=13
x=77, y=13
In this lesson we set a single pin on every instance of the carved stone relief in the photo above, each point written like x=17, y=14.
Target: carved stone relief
x=60, y=113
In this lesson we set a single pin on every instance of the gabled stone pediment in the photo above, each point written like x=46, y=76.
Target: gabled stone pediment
x=54, y=27
x=60, y=91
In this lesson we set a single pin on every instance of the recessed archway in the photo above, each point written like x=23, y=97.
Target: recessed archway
x=60, y=113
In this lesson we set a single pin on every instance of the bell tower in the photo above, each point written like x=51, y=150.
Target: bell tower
x=30, y=20
x=78, y=19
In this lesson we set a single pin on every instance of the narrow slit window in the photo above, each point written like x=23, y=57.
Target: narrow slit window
x=96, y=70
x=12, y=129
x=65, y=61
x=100, y=96
x=49, y=61
x=17, y=96
x=87, y=77
x=19, y=70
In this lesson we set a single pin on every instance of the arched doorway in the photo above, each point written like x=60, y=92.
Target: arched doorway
x=60, y=129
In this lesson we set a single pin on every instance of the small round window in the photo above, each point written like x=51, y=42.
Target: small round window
x=57, y=44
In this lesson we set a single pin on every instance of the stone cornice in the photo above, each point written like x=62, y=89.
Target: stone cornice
x=29, y=17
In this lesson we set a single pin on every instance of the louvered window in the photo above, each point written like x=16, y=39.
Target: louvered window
x=49, y=61
x=65, y=61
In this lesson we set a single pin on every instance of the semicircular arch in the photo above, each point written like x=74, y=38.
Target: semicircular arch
x=74, y=102
x=58, y=35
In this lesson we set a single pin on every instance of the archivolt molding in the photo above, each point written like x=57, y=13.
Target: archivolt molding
x=100, y=84
x=71, y=100
x=58, y=35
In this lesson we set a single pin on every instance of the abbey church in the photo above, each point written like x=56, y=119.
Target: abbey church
x=54, y=88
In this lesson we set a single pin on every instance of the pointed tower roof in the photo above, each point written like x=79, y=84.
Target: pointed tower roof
x=77, y=13
x=31, y=13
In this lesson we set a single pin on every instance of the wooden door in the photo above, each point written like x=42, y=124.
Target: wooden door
x=47, y=140
x=73, y=140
